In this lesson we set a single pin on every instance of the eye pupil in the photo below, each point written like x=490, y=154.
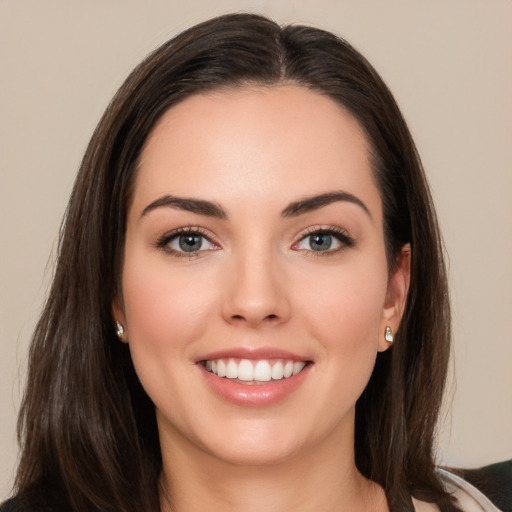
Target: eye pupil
x=321, y=242
x=190, y=243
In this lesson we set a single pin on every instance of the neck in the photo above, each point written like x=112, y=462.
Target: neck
x=319, y=479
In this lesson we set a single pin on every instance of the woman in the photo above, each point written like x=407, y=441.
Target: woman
x=252, y=217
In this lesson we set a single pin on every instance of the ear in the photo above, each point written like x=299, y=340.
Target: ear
x=396, y=296
x=119, y=316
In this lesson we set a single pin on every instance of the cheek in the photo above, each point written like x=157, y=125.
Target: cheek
x=167, y=310
x=343, y=311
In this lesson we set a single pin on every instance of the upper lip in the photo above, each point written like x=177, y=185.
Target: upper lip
x=253, y=354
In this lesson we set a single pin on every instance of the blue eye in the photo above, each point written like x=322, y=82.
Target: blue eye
x=320, y=241
x=186, y=241
x=189, y=243
x=328, y=241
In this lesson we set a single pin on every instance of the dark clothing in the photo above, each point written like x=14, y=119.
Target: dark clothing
x=495, y=481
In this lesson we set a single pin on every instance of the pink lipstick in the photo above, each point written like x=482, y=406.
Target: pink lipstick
x=254, y=377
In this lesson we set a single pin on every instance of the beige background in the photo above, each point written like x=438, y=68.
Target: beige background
x=449, y=64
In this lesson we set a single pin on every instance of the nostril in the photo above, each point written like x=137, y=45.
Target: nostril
x=270, y=317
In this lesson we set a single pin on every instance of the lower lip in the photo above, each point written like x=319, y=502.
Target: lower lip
x=254, y=395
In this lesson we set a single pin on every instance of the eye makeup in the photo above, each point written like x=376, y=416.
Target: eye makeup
x=186, y=242
x=191, y=241
x=324, y=241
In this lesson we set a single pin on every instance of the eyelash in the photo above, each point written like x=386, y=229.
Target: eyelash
x=163, y=242
x=339, y=234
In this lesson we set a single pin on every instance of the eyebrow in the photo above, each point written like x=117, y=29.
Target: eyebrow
x=211, y=209
x=312, y=203
x=188, y=204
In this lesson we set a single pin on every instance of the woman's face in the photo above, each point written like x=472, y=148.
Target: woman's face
x=255, y=248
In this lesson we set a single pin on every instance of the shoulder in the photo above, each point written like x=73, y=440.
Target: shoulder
x=487, y=489
x=23, y=503
x=13, y=505
x=495, y=481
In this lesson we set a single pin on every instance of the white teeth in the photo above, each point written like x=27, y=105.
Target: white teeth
x=260, y=371
x=297, y=367
x=278, y=371
x=232, y=369
x=221, y=368
x=245, y=370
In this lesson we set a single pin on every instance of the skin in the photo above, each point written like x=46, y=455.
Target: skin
x=257, y=282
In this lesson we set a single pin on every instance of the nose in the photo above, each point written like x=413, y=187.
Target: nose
x=257, y=294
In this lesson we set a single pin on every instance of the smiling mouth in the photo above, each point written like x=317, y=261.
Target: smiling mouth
x=261, y=371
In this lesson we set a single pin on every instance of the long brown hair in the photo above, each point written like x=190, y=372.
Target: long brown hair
x=86, y=428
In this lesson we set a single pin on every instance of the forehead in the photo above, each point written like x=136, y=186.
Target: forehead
x=242, y=144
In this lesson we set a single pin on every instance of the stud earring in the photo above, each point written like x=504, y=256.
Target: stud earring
x=119, y=330
x=389, y=335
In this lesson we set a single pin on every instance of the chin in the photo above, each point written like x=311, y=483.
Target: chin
x=252, y=443
x=256, y=455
